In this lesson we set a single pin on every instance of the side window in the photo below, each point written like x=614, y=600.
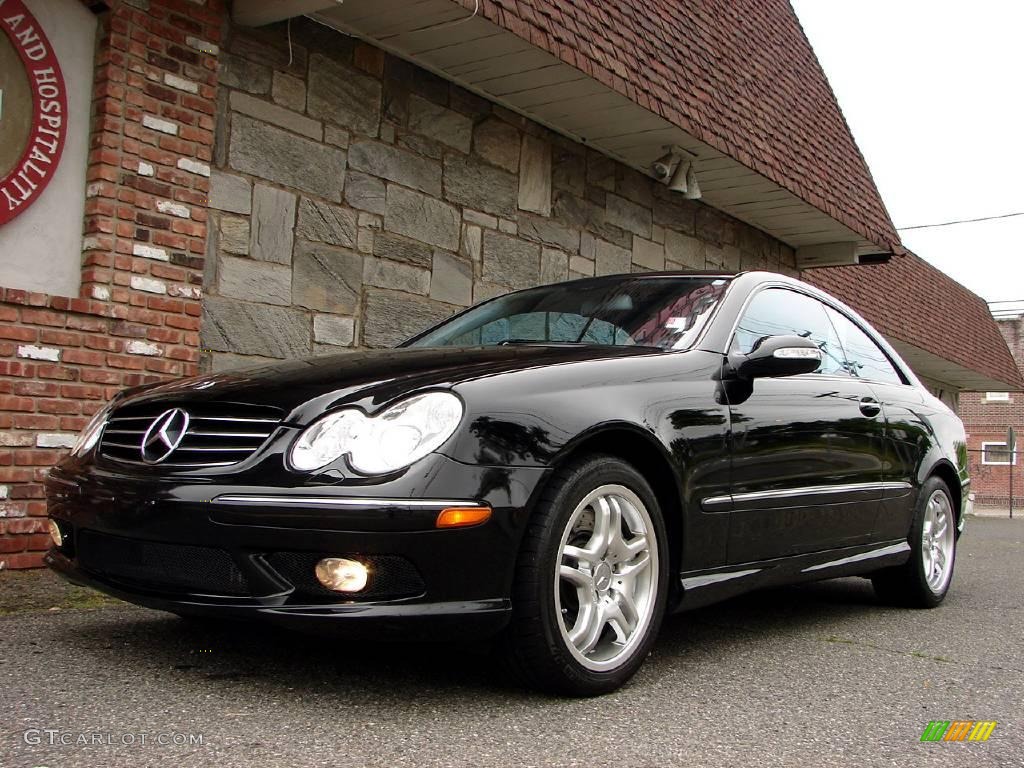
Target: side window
x=864, y=358
x=780, y=312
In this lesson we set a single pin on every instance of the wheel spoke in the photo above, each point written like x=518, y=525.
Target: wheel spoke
x=590, y=632
x=584, y=619
x=602, y=522
x=619, y=622
x=615, y=543
x=634, y=547
x=576, y=577
x=581, y=555
x=629, y=571
x=607, y=523
x=625, y=602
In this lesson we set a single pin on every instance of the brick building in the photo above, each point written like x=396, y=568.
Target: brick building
x=282, y=178
x=988, y=417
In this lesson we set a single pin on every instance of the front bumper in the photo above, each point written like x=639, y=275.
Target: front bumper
x=248, y=551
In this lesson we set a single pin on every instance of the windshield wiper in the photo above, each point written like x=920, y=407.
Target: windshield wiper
x=510, y=342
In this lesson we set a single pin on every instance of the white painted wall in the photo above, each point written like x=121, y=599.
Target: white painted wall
x=947, y=393
x=41, y=250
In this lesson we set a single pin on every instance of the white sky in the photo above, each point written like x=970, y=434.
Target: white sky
x=934, y=94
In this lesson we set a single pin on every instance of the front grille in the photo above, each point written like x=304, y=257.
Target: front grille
x=160, y=566
x=218, y=434
x=391, y=576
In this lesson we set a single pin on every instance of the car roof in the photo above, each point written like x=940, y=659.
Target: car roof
x=623, y=276
x=777, y=277
x=666, y=273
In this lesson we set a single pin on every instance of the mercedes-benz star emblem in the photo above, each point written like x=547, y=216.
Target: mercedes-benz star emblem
x=164, y=435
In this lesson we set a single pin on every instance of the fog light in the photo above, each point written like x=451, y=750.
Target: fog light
x=55, y=534
x=341, y=575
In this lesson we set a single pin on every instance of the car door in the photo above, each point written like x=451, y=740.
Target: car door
x=806, y=450
x=908, y=436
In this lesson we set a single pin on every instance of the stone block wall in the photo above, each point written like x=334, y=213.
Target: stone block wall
x=357, y=199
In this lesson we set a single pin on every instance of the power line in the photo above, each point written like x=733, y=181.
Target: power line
x=961, y=221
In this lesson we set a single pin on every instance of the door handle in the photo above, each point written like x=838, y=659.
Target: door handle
x=869, y=406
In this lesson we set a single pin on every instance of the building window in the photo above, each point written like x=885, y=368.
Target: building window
x=997, y=397
x=997, y=453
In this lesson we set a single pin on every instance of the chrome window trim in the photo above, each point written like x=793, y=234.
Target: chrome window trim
x=340, y=501
x=825, y=299
x=807, y=490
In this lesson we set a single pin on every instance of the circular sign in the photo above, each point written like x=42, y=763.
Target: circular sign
x=33, y=110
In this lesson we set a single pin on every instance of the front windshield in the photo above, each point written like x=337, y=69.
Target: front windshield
x=662, y=312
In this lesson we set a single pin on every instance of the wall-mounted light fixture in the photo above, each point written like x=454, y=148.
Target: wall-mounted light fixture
x=675, y=170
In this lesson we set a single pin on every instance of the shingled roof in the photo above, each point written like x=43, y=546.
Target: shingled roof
x=929, y=316
x=739, y=75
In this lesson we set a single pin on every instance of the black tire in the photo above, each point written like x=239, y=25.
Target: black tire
x=907, y=585
x=533, y=646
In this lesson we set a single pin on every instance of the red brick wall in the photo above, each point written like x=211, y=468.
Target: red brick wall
x=136, y=318
x=987, y=421
x=990, y=483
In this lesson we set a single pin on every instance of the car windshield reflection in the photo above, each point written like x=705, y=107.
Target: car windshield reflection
x=661, y=312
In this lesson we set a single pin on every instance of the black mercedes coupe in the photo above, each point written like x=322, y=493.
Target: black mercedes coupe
x=555, y=468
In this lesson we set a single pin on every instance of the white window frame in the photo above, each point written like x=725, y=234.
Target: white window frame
x=997, y=397
x=997, y=444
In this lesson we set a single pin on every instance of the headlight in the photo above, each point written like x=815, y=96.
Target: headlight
x=88, y=436
x=391, y=440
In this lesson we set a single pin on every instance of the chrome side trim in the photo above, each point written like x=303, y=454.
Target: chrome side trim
x=340, y=501
x=807, y=490
x=171, y=464
x=892, y=549
x=714, y=578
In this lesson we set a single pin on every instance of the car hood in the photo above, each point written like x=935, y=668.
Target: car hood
x=307, y=387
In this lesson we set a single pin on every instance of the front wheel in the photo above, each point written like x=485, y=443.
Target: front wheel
x=591, y=581
x=923, y=581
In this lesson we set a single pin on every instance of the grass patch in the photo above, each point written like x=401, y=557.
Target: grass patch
x=874, y=647
x=43, y=590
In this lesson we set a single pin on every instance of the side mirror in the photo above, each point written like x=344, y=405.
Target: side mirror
x=777, y=356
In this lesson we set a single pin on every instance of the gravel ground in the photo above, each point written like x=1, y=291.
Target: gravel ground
x=817, y=675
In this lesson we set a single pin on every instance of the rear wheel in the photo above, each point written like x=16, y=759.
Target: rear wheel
x=923, y=581
x=591, y=581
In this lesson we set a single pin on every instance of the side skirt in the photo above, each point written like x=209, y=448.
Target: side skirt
x=709, y=586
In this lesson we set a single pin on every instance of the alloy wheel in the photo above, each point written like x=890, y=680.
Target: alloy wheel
x=606, y=579
x=937, y=541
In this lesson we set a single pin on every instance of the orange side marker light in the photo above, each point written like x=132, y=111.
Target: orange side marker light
x=461, y=517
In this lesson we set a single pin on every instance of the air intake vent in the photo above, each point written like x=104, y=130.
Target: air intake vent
x=153, y=564
x=188, y=435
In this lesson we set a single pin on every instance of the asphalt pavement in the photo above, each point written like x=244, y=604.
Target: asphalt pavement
x=816, y=675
